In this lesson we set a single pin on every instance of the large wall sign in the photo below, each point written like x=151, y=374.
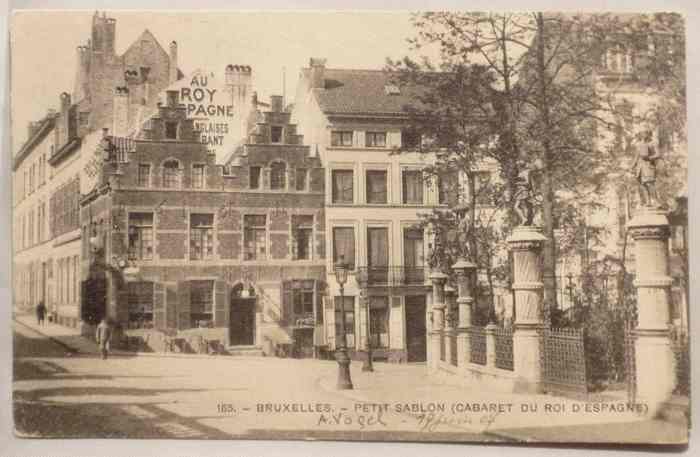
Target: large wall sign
x=219, y=105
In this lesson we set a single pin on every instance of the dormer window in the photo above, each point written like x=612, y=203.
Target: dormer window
x=171, y=174
x=171, y=130
x=278, y=175
x=276, y=134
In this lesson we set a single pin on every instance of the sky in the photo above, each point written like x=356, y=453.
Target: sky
x=43, y=47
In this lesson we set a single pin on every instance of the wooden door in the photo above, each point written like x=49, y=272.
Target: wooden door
x=242, y=322
x=416, y=329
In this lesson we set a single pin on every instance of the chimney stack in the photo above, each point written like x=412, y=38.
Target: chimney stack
x=318, y=68
x=120, y=119
x=277, y=104
x=172, y=98
x=173, y=62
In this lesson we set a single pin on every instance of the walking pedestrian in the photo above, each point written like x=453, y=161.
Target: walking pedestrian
x=103, y=335
x=40, y=312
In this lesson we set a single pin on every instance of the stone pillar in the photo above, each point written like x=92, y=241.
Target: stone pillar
x=450, y=324
x=491, y=345
x=526, y=244
x=464, y=270
x=655, y=365
x=438, y=312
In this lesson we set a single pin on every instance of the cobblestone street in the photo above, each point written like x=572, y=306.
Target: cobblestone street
x=62, y=393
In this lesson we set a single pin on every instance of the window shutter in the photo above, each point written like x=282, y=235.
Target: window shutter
x=220, y=301
x=159, y=305
x=183, y=312
x=329, y=310
x=287, y=303
x=395, y=323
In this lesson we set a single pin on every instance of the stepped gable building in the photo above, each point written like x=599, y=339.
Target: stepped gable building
x=355, y=119
x=51, y=171
x=232, y=253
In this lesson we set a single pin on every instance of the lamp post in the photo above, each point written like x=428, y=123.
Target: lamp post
x=341, y=353
x=367, y=364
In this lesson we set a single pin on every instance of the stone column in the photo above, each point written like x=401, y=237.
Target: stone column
x=655, y=365
x=526, y=244
x=464, y=270
x=450, y=314
x=438, y=312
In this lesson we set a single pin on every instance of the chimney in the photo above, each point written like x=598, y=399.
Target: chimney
x=172, y=98
x=173, y=62
x=239, y=82
x=63, y=121
x=318, y=67
x=276, y=103
x=120, y=118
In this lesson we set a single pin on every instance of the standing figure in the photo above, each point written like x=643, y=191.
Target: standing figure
x=525, y=193
x=40, y=312
x=103, y=335
x=645, y=171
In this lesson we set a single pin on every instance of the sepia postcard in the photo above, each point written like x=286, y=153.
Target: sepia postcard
x=444, y=226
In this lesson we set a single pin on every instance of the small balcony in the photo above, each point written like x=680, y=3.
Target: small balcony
x=392, y=276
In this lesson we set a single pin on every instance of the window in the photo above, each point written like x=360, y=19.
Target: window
x=201, y=301
x=278, y=175
x=413, y=187
x=448, y=187
x=83, y=118
x=198, y=176
x=303, y=237
x=482, y=188
x=254, y=234
x=303, y=297
x=276, y=134
x=301, y=178
x=375, y=139
x=171, y=130
x=171, y=174
x=344, y=245
x=254, y=177
x=410, y=139
x=379, y=322
x=376, y=186
x=141, y=236
x=342, y=191
x=201, y=236
x=341, y=138
x=378, y=254
x=144, y=175
x=140, y=301
x=413, y=255
x=349, y=306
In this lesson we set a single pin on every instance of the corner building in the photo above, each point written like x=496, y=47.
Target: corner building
x=355, y=119
x=230, y=253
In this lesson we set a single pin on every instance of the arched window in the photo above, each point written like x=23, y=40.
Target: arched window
x=278, y=175
x=171, y=174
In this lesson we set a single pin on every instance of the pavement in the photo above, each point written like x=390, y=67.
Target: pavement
x=63, y=389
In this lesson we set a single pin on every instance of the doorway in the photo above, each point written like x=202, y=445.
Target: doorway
x=242, y=317
x=415, y=329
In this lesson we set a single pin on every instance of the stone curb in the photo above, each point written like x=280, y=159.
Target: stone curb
x=76, y=350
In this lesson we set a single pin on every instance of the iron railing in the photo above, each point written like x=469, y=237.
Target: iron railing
x=442, y=346
x=120, y=147
x=504, y=348
x=453, y=350
x=477, y=345
x=392, y=276
x=563, y=360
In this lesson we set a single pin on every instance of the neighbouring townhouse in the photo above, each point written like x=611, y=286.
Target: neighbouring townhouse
x=52, y=169
x=230, y=254
x=354, y=120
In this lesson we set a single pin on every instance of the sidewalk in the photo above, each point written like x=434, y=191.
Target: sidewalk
x=76, y=344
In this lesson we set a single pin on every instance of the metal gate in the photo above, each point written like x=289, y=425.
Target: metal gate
x=563, y=361
x=630, y=365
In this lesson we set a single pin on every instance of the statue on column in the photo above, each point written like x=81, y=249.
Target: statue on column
x=525, y=192
x=644, y=168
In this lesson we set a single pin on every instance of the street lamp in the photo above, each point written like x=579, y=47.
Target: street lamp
x=367, y=364
x=341, y=353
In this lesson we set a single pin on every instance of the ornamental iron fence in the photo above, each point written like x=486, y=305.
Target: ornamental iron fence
x=504, y=348
x=453, y=349
x=442, y=346
x=392, y=275
x=563, y=361
x=630, y=365
x=477, y=345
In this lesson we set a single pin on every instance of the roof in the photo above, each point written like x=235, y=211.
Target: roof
x=47, y=124
x=361, y=92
